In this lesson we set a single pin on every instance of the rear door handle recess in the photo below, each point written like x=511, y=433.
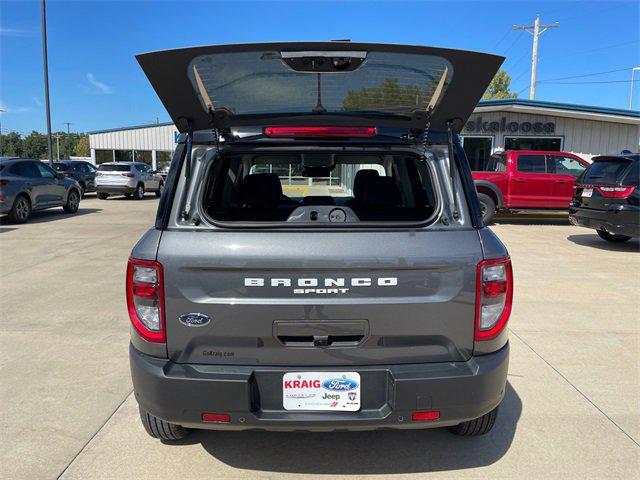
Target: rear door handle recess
x=519, y=180
x=330, y=333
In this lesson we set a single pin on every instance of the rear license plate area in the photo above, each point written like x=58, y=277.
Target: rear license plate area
x=321, y=391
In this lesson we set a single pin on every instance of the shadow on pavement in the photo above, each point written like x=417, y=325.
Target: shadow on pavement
x=50, y=216
x=531, y=220
x=362, y=453
x=594, y=241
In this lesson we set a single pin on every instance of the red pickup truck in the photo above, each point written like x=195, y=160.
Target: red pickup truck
x=527, y=180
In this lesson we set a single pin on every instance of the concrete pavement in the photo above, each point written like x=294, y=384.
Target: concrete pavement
x=571, y=409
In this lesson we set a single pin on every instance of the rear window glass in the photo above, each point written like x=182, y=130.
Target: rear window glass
x=270, y=188
x=61, y=167
x=606, y=171
x=496, y=163
x=253, y=83
x=114, y=168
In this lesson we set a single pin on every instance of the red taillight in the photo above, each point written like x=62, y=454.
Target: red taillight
x=494, y=295
x=68, y=174
x=130, y=175
x=615, y=191
x=216, y=417
x=421, y=416
x=320, y=132
x=3, y=183
x=145, y=299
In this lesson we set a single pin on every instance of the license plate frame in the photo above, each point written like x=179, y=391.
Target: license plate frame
x=321, y=391
x=587, y=193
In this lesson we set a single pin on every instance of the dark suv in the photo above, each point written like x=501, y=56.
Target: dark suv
x=319, y=260
x=607, y=197
x=28, y=185
x=82, y=172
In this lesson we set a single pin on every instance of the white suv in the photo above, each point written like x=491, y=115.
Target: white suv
x=127, y=178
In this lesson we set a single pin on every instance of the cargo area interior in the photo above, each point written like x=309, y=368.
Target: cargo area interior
x=270, y=187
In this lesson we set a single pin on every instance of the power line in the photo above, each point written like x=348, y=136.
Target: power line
x=590, y=82
x=585, y=75
x=502, y=39
x=606, y=47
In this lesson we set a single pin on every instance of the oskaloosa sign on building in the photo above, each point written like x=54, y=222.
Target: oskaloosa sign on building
x=477, y=125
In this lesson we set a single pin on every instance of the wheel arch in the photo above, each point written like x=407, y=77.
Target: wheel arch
x=490, y=189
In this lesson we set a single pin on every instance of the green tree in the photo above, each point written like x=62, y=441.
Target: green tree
x=35, y=145
x=12, y=144
x=82, y=147
x=388, y=95
x=499, y=87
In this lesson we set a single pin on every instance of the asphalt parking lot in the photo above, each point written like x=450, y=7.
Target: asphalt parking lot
x=572, y=407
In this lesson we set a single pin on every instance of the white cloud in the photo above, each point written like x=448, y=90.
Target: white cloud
x=99, y=87
x=14, y=32
x=37, y=101
x=7, y=109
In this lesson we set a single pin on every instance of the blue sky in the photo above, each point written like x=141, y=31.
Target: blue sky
x=96, y=83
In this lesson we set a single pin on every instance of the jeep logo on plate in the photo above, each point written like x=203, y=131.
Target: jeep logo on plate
x=194, y=319
x=339, y=384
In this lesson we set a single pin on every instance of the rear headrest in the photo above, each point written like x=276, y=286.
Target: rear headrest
x=260, y=189
x=360, y=181
x=382, y=191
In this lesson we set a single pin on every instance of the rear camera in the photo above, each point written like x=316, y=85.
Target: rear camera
x=341, y=63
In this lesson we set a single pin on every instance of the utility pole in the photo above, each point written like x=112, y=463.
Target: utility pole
x=537, y=31
x=67, y=124
x=633, y=71
x=58, y=145
x=46, y=80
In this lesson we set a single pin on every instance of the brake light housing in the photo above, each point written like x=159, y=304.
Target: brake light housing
x=320, y=132
x=494, y=297
x=615, y=191
x=145, y=299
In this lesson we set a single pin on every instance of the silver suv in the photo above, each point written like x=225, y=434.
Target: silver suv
x=128, y=179
x=319, y=260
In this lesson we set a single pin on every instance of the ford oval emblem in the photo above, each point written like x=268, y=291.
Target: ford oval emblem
x=339, y=384
x=194, y=319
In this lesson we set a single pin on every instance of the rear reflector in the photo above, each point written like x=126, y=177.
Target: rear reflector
x=216, y=417
x=494, y=294
x=320, y=132
x=421, y=416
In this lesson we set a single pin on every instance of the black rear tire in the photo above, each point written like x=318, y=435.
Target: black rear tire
x=476, y=427
x=612, y=237
x=73, y=202
x=158, y=428
x=138, y=194
x=160, y=189
x=487, y=208
x=102, y=195
x=21, y=210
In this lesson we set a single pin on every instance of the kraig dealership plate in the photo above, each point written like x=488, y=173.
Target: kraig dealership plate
x=329, y=391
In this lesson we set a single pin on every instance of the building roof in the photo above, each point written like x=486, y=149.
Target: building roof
x=503, y=104
x=587, y=112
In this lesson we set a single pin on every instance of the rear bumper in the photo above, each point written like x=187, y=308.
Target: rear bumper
x=115, y=189
x=620, y=222
x=252, y=396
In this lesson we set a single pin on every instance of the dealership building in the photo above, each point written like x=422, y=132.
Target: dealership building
x=505, y=124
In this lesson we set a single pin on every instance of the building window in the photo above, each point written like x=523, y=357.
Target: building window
x=123, y=156
x=533, y=143
x=478, y=151
x=103, y=156
x=163, y=160
x=143, y=156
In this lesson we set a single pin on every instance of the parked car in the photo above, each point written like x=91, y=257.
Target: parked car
x=607, y=197
x=128, y=179
x=82, y=172
x=28, y=185
x=520, y=180
x=317, y=309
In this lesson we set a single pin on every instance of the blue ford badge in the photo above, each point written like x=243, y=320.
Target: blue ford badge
x=194, y=319
x=339, y=384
